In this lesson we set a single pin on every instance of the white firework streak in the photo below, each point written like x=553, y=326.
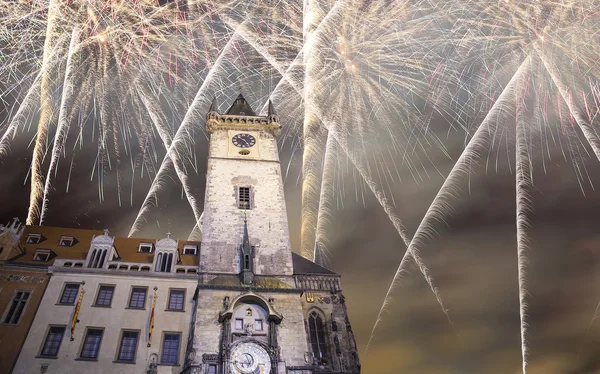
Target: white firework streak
x=326, y=198
x=584, y=124
x=387, y=207
x=179, y=137
x=63, y=125
x=441, y=205
x=523, y=203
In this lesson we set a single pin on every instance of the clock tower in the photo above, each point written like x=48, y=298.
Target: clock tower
x=259, y=308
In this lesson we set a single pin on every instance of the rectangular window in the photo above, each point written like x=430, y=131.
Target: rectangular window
x=145, y=248
x=105, y=295
x=66, y=241
x=53, y=340
x=16, y=307
x=212, y=369
x=176, y=299
x=239, y=324
x=138, y=298
x=170, y=349
x=34, y=238
x=69, y=294
x=244, y=198
x=41, y=255
x=258, y=325
x=91, y=343
x=128, y=346
x=190, y=249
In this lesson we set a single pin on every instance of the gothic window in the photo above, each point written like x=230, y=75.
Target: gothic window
x=243, y=198
x=317, y=336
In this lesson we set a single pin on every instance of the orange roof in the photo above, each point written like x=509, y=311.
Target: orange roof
x=127, y=248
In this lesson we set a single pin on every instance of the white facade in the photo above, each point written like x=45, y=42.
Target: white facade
x=113, y=320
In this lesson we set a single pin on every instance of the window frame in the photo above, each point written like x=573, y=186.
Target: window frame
x=171, y=290
x=190, y=246
x=238, y=197
x=257, y=322
x=33, y=235
x=146, y=244
x=45, y=341
x=321, y=334
x=69, y=238
x=83, y=342
x=100, y=286
x=42, y=252
x=62, y=293
x=10, y=303
x=162, y=348
x=241, y=320
x=143, y=307
x=120, y=346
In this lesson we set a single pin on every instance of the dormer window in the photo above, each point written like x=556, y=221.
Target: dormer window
x=42, y=255
x=66, y=241
x=244, y=200
x=145, y=248
x=190, y=249
x=34, y=238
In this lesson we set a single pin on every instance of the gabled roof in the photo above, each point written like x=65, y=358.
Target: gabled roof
x=240, y=107
x=304, y=266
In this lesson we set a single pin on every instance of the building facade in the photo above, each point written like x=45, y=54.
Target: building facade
x=239, y=302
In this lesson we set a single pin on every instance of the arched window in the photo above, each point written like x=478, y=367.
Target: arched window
x=91, y=263
x=158, y=261
x=317, y=336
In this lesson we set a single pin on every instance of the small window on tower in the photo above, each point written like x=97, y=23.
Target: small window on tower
x=244, y=198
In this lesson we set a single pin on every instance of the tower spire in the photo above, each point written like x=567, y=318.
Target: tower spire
x=246, y=257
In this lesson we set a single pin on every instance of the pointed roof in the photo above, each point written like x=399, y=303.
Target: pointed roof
x=271, y=111
x=246, y=241
x=213, y=105
x=240, y=107
x=304, y=266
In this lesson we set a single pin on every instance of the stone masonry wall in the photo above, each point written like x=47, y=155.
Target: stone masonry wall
x=223, y=222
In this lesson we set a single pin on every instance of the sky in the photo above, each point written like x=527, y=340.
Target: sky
x=473, y=258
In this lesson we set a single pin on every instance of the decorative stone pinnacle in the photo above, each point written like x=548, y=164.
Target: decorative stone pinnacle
x=169, y=234
x=106, y=232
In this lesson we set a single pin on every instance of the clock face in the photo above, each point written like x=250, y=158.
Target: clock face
x=249, y=358
x=243, y=140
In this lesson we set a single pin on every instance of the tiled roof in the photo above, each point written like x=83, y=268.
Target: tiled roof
x=127, y=248
x=304, y=266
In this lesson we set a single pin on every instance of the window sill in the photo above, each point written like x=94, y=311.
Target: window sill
x=168, y=365
x=132, y=308
x=123, y=362
x=101, y=306
x=175, y=310
x=48, y=357
x=64, y=304
x=86, y=359
x=9, y=324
